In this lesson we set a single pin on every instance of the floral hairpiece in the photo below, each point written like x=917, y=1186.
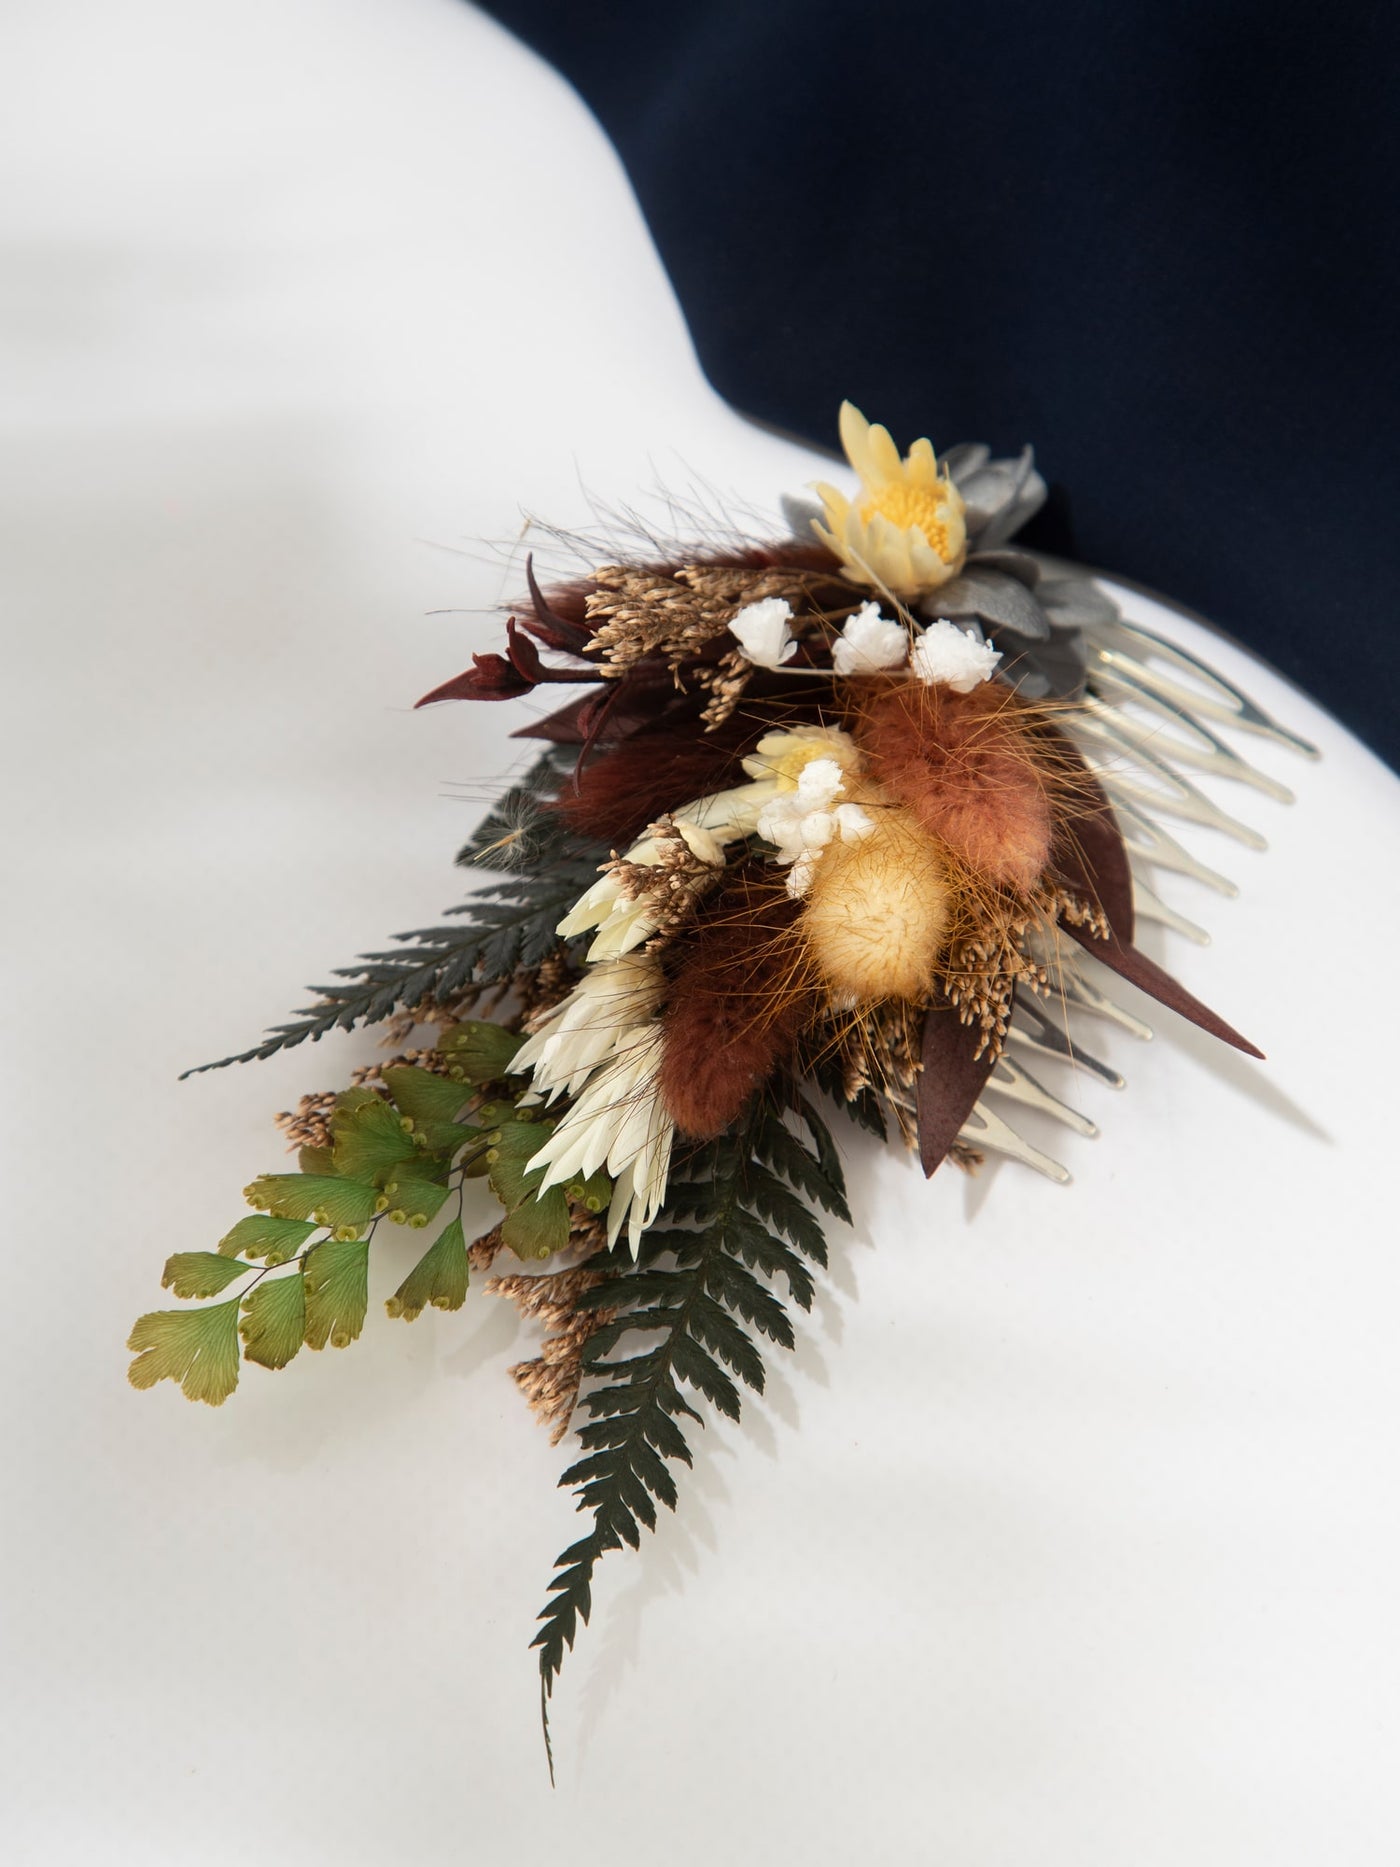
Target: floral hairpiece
x=856, y=819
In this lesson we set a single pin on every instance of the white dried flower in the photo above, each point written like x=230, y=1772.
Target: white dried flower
x=620, y=1124
x=800, y=823
x=953, y=657
x=602, y=1046
x=761, y=630
x=869, y=643
x=580, y=1034
x=624, y=921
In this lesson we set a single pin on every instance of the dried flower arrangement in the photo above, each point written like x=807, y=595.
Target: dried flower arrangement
x=844, y=823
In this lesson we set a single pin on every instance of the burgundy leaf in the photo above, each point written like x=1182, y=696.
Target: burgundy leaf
x=950, y=1082
x=1144, y=973
x=491, y=678
x=560, y=727
x=549, y=627
x=525, y=658
x=634, y=779
x=1088, y=856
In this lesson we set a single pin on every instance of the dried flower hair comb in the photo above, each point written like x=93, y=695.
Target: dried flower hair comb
x=854, y=819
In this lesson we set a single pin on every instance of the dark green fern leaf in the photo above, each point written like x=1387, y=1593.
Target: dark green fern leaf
x=863, y=1108
x=520, y=831
x=704, y=1287
x=506, y=925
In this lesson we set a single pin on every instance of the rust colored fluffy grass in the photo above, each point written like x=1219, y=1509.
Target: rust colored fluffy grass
x=973, y=769
x=739, y=1001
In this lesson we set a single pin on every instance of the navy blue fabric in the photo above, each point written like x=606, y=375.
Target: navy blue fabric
x=1157, y=241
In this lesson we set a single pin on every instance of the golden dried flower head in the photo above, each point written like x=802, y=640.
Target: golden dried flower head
x=906, y=530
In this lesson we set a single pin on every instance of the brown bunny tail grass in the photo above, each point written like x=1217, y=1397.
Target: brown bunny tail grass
x=971, y=767
x=617, y=793
x=741, y=998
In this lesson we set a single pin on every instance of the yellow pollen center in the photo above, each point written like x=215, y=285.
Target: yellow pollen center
x=904, y=505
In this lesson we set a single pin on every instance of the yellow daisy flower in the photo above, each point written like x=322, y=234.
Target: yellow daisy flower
x=906, y=531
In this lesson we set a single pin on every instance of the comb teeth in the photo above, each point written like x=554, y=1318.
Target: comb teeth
x=1136, y=761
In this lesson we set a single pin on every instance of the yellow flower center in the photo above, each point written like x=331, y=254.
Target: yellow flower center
x=905, y=505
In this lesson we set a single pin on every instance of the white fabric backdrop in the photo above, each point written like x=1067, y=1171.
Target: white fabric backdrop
x=1069, y=1535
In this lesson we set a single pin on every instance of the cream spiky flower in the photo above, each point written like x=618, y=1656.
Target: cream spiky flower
x=619, y=1124
x=602, y=1046
x=578, y=1035
x=625, y=920
x=906, y=531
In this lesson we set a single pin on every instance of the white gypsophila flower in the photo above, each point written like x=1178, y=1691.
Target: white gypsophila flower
x=624, y=922
x=953, y=657
x=869, y=643
x=620, y=1124
x=761, y=630
x=579, y=1035
x=801, y=823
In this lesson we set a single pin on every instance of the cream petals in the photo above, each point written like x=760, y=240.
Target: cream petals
x=906, y=531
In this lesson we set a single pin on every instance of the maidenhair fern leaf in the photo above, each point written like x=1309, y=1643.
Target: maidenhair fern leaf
x=423, y=1095
x=336, y=1275
x=439, y=1278
x=273, y=1325
x=479, y=1052
x=322, y=1197
x=200, y=1273
x=370, y=1140
x=261, y=1236
x=539, y=1225
x=414, y=1201
x=196, y=1347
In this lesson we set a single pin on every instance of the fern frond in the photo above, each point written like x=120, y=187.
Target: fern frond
x=733, y=1231
x=507, y=925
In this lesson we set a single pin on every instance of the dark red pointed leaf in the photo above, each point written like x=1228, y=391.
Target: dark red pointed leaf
x=1088, y=856
x=1149, y=977
x=525, y=659
x=490, y=678
x=560, y=727
x=950, y=1082
x=554, y=630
